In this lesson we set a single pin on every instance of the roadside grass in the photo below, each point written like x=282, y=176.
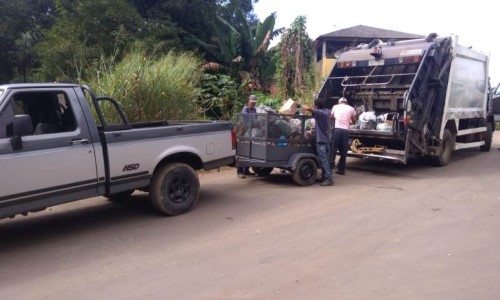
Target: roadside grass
x=151, y=89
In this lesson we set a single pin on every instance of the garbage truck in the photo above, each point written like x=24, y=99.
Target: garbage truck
x=421, y=98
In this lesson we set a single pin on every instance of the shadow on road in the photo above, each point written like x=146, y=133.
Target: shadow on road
x=96, y=216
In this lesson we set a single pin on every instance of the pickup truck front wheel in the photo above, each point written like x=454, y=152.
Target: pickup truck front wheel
x=174, y=189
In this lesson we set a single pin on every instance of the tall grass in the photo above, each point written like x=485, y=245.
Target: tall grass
x=152, y=89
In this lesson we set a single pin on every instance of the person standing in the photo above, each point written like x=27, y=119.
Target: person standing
x=247, y=109
x=322, y=119
x=344, y=115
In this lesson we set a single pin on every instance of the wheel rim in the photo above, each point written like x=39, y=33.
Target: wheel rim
x=178, y=189
x=306, y=171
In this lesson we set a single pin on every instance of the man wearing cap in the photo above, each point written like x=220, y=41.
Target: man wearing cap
x=344, y=115
x=250, y=107
x=247, y=109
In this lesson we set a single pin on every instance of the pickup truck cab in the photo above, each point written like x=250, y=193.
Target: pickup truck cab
x=57, y=146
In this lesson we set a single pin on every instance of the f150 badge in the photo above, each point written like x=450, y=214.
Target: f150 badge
x=130, y=167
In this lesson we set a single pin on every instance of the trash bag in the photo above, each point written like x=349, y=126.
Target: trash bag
x=264, y=109
x=284, y=127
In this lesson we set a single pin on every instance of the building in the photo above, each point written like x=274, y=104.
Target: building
x=327, y=45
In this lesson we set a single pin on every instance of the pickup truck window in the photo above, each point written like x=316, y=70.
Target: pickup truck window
x=50, y=112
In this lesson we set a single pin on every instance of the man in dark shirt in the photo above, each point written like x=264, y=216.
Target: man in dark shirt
x=322, y=117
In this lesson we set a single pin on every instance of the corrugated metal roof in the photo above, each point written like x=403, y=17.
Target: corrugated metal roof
x=362, y=31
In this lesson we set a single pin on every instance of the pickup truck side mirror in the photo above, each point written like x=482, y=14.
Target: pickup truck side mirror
x=21, y=126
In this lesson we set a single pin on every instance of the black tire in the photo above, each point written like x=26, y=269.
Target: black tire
x=120, y=197
x=264, y=171
x=174, y=189
x=305, y=172
x=488, y=138
x=445, y=150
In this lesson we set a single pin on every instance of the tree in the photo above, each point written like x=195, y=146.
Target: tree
x=22, y=26
x=84, y=32
x=230, y=11
x=296, y=60
x=240, y=47
x=175, y=24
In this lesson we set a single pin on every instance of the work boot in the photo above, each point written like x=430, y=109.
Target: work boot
x=241, y=175
x=327, y=182
x=340, y=172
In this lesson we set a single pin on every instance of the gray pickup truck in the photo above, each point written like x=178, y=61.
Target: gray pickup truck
x=57, y=146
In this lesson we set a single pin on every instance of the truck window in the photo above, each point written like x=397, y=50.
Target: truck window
x=50, y=112
x=6, y=119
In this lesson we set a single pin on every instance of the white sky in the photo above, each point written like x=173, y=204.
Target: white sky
x=474, y=22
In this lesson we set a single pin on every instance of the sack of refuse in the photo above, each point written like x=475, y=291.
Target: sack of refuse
x=359, y=109
x=257, y=132
x=381, y=118
x=261, y=109
x=384, y=127
x=296, y=125
x=284, y=127
x=368, y=120
x=310, y=123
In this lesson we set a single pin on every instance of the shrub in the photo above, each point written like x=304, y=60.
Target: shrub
x=152, y=89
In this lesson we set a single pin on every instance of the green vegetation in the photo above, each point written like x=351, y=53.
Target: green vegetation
x=296, y=62
x=164, y=59
x=152, y=89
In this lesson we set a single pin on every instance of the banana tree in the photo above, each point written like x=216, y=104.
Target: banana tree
x=241, y=47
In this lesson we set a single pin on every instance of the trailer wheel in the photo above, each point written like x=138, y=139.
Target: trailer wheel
x=305, y=172
x=119, y=197
x=174, y=189
x=488, y=138
x=445, y=151
x=262, y=171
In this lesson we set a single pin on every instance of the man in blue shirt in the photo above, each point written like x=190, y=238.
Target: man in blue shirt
x=322, y=117
x=248, y=109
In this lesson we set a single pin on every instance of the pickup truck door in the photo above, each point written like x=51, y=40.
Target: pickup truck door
x=56, y=163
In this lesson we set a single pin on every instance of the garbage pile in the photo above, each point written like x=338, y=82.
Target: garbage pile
x=286, y=124
x=369, y=120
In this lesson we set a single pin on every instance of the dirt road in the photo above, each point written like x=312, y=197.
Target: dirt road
x=383, y=231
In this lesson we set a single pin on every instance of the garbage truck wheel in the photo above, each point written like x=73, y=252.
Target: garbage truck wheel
x=488, y=138
x=445, y=150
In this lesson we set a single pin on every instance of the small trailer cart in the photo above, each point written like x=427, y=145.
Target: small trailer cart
x=268, y=140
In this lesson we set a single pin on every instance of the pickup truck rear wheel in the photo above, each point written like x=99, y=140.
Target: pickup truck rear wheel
x=174, y=189
x=305, y=172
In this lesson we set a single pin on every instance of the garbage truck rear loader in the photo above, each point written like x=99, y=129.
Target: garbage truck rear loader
x=415, y=98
